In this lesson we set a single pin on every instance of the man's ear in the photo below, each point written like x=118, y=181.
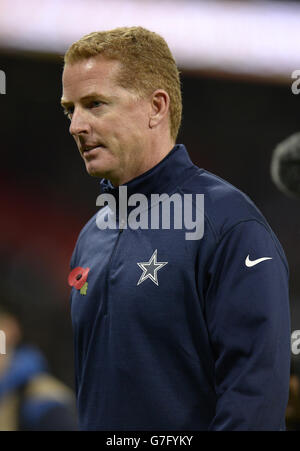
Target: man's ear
x=160, y=104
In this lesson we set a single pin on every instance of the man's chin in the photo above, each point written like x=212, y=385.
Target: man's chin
x=95, y=171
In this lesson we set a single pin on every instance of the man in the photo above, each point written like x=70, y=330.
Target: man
x=170, y=333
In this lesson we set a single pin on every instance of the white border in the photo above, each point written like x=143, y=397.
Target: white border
x=256, y=38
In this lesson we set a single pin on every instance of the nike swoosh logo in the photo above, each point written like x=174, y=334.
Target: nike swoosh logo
x=249, y=263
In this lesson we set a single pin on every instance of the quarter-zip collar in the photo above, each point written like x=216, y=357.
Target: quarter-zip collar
x=162, y=178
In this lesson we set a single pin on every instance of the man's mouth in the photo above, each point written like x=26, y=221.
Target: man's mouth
x=89, y=150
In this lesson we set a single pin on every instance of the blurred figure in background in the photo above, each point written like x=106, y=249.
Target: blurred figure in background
x=285, y=174
x=30, y=398
x=293, y=407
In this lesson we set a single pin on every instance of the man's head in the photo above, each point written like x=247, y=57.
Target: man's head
x=121, y=90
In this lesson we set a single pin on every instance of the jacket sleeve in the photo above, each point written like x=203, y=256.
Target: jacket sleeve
x=248, y=320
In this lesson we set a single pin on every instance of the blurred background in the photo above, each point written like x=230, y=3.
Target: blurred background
x=236, y=60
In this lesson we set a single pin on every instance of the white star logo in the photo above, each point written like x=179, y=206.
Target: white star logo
x=150, y=268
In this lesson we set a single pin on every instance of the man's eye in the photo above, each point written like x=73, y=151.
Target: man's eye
x=95, y=103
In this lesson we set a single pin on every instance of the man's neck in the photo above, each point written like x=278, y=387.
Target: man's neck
x=155, y=156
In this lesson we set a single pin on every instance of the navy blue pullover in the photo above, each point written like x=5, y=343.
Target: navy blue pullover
x=177, y=334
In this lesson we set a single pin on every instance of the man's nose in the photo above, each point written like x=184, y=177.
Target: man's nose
x=79, y=124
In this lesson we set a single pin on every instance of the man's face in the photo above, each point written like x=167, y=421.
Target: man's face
x=109, y=123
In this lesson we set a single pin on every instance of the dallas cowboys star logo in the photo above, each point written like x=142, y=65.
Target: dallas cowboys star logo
x=150, y=269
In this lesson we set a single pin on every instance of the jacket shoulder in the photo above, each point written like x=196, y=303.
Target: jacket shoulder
x=224, y=204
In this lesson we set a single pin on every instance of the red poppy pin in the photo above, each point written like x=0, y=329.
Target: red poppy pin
x=78, y=279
